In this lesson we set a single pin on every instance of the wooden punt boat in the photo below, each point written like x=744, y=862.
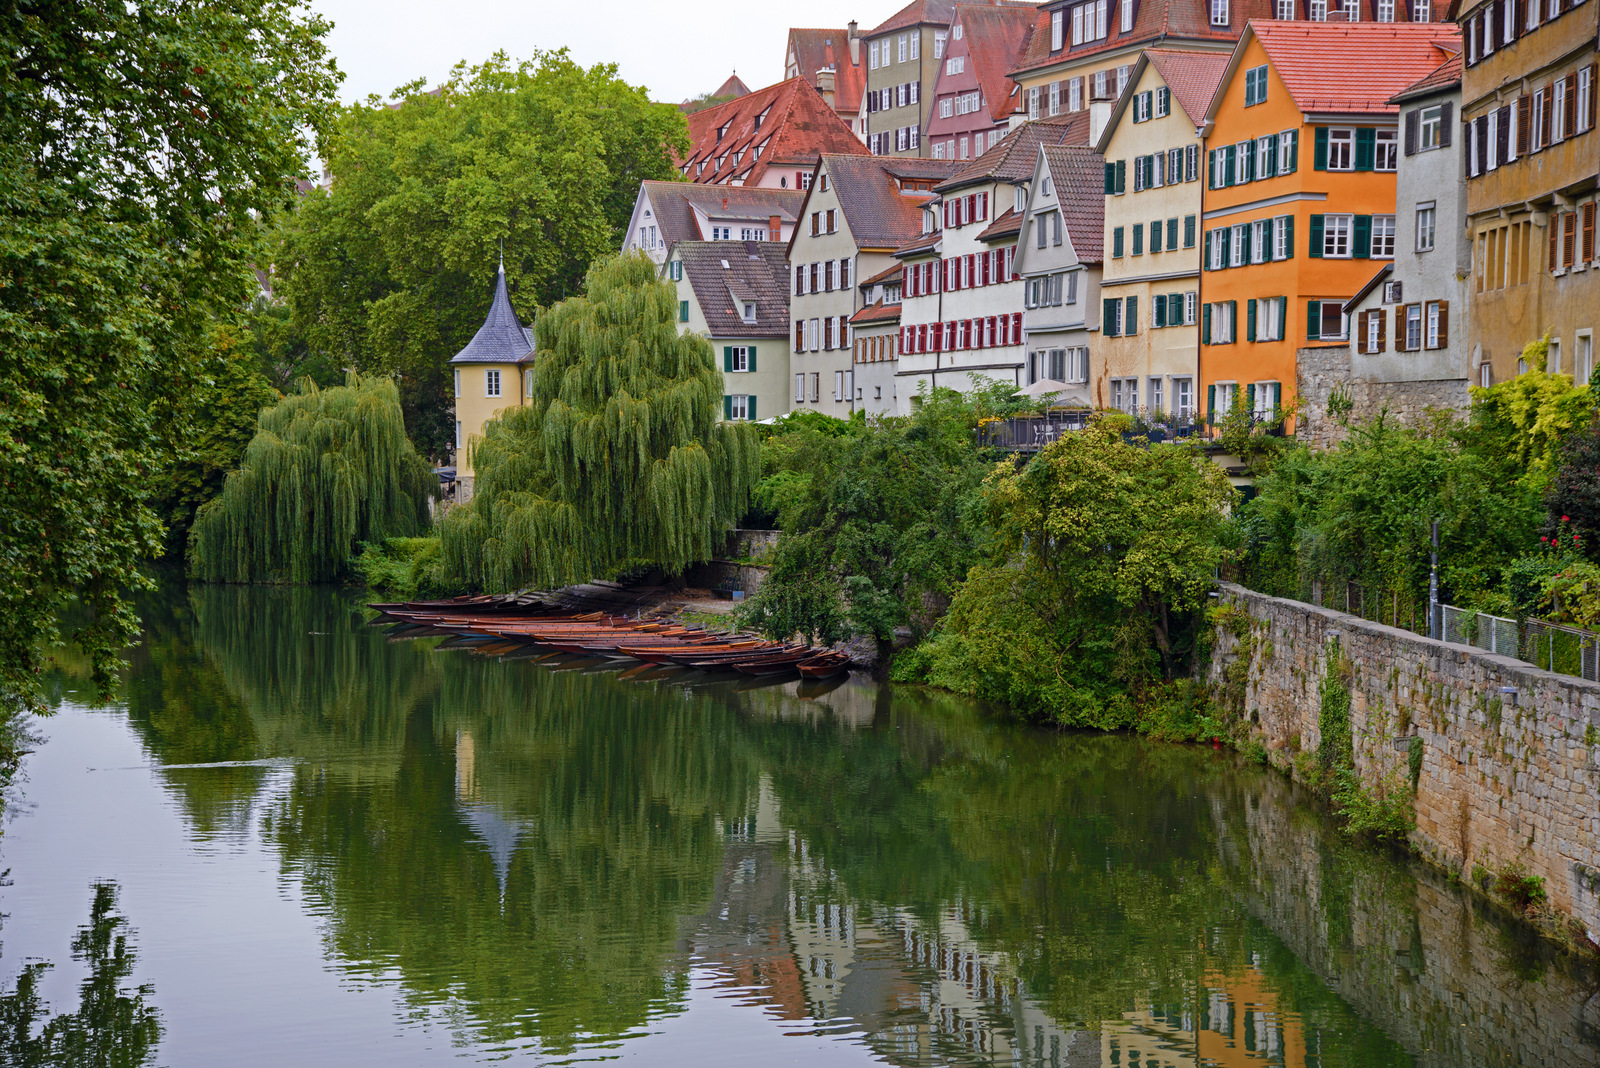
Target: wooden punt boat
x=724, y=661
x=825, y=666
x=775, y=665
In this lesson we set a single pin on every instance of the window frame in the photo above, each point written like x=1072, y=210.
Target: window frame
x=1346, y=143
x=1430, y=210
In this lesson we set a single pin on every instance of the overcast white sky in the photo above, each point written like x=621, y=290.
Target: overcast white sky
x=675, y=48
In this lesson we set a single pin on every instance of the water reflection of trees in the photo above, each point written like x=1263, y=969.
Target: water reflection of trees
x=113, y=1024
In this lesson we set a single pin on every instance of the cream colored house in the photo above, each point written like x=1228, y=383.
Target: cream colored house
x=1145, y=358
x=491, y=373
x=735, y=294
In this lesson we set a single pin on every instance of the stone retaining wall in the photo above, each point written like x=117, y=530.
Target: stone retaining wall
x=1511, y=754
x=1320, y=371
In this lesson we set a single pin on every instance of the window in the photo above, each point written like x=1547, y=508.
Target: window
x=739, y=406
x=1266, y=155
x=1382, y=237
x=1075, y=94
x=1219, y=12
x=491, y=383
x=1421, y=11
x=1288, y=151
x=1385, y=10
x=1155, y=398
x=1386, y=150
x=872, y=56
x=1138, y=239
x=1325, y=320
x=901, y=50
x=955, y=64
x=1583, y=358
x=1189, y=231
x=1221, y=318
x=1372, y=340
x=1436, y=324
x=1055, y=31
x=1429, y=128
x=916, y=44
x=1255, y=86
x=1341, y=150
x=1163, y=102
x=938, y=44
x=1352, y=10
x=458, y=434
x=1260, y=241
x=799, y=388
x=1183, y=397
x=1055, y=98
x=1283, y=237
x=457, y=376
x=1141, y=107
x=1318, y=10
x=749, y=311
x=1413, y=321
x=1269, y=315
x=1238, y=245
x=1191, y=307
x=738, y=359
x=1425, y=224
x=816, y=386
x=1127, y=16
x=683, y=311
x=1335, y=235
x=753, y=233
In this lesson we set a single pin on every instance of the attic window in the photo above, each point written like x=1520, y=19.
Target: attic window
x=749, y=311
x=957, y=31
x=761, y=117
x=722, y=131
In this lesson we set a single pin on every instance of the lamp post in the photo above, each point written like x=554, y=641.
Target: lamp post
x=1433, y=586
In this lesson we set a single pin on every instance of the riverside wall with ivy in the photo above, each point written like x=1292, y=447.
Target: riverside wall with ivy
x=1499, y=760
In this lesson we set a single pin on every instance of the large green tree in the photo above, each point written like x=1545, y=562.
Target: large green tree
x=619, y=457
x=141, y=148
x=385, y=271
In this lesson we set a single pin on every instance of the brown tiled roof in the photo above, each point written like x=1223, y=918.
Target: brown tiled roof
x=1154, y=21
x=1352, y=67
x=796, y=127
x=672, y=201
x=1446, y=75
x=1006, y=225
x=1079, y=175
x=888, y=274
x=1192, y=76
x=994, y=37
x=815, y=49
x=878, y=313
x=734, y=86
x=756, y=270
x=878, y=213
x=1014, y=157
x=915, y=14
x=920, y=244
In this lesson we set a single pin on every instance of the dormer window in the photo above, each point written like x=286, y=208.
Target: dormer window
x=749, y=311
x=722, y=131
x=1219, y=12
x=761, y=117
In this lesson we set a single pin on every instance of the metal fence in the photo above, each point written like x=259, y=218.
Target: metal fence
x=1552, y=646
x=1030, y=432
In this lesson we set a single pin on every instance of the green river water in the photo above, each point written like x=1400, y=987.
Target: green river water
x=295, y=840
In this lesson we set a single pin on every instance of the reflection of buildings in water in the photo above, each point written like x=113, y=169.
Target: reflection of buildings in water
x=498, y=834
x=852, y=704
x=1240, y=1025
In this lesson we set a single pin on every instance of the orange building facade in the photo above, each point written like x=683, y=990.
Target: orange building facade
x=1301, y=150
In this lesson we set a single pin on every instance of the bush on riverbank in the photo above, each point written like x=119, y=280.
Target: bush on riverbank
x=409, y=568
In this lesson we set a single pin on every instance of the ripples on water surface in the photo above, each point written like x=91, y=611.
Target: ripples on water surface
x=325, y=847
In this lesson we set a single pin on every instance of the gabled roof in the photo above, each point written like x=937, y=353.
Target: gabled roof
x=721, y=272
x=673, y=204
x=1351, y=68
x=501, y=338
x=1006, y=225
x=789, y=123
x=816, y=49
x=995, y=37
x=888, y=274
x=868, y=189
x=1013, y=159
x=1193, y=78
x=1372, y=283
x=916, y=13
x=734, y=86
x=877, y=313
x=921, y=244
x=1445, y=76
x=1154, y=21
x=1079, y=176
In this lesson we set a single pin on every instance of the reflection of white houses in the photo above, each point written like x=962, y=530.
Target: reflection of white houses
x=1059, y=259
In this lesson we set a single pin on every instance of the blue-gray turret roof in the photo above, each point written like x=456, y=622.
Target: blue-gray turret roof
x=501, y=338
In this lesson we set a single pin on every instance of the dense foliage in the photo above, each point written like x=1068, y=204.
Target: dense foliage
x=384, y=271
x=141, y=148
x=879, y=519
x=619, y=458
x=327, y=470
x=1104, y=551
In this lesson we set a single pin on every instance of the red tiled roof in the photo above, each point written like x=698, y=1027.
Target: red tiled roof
x=1079, y=175
x=672, y=203
x=915, y=14
x=1014, y=157
x=994, y=37
x=887, y=274
x=816, y=49
x=1006, y=225
x=796, y=127
x=1446, y=75
x=734, y=86
x=868, y=188
x=878, y=313
x=1352, y=67
x=923, y=243
x=1192, y=76
x=1154, y=21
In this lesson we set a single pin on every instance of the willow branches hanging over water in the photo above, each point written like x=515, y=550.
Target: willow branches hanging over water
x=327, y=469
x=619, y=457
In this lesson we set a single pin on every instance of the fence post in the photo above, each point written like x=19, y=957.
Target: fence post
x=1433, y=586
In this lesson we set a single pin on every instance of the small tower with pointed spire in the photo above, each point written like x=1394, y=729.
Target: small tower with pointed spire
x=490, y=374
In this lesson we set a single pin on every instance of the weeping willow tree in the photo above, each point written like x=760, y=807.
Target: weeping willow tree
x=619, y=458
x=327, y=469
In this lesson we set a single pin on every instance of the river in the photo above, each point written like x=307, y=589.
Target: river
x=295, y=840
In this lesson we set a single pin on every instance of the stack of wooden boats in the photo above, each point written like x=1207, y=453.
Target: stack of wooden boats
x=597, y=634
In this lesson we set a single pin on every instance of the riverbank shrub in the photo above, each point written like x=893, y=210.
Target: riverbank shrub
x=1101, y=557
x=327, y=470
x=406, y=567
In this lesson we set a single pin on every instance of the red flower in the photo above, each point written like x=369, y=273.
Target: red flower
x=1543, y=537
x=1564, y=519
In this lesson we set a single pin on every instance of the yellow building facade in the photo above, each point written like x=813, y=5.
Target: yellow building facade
x=490, y=374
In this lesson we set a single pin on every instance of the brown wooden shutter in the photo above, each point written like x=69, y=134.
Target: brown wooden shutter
x=1444, y=324
x=1554, y=227
x=1569, y=238
x=1544, y=119
x=1594, y=90
x=1524, y=116
x=1361, y=332
x=1399, y=328
x=1588, y=231
x=799, y=335
x=1383, y=330
x=1569, y=123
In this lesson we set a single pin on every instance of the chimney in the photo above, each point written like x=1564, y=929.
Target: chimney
x=855, y=44
x=1099, y=115
x=825, y=84
x=774, y=228
x=724, y=203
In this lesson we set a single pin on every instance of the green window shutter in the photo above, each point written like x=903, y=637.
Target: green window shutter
x=1108, y=317
x=1116, y=241
x=1130, y=318
x=1138, y=239
x=750, y=401
x=1313, y=320
x=1155, y=235
x=753, y=366
x=1122, y=175
x=683, y=311
x=1366, y=143
x=1266, y=241
x=1172, y=233
x=1362, y=247
x=1160, y=318
x=1233, y=320
x=1147, y=98
x=1111, y=178
x=1205, y=339
x=1225, y=235
x=1271, y=168
x=1188, y=231
x=727, y=406
x=727, y=357
x=1250, y=314
x=1288, y=237
x=1230, y=160
x=1277, y=397
x=1247, y=167
x=1211, y=169
x=1315, y=250
x=1319, y=155
x=1294, y=151
x=1211, y=400
x=1250, y=397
